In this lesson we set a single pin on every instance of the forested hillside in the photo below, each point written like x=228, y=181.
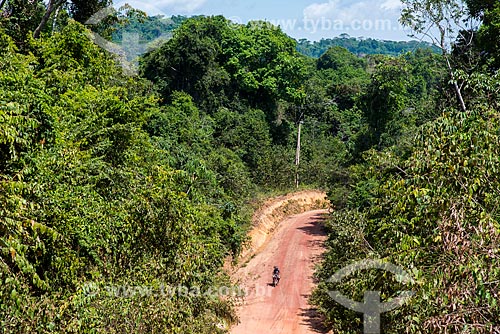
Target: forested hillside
x=122, y=196
x=362, y=46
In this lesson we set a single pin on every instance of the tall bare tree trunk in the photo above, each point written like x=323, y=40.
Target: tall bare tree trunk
x=54, y=21
x=53, y=5
x=458, y=91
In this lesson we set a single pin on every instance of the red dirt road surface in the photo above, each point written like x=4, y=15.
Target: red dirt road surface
x=295, y=248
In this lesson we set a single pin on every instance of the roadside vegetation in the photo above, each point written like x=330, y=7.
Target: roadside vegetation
x=428, y=202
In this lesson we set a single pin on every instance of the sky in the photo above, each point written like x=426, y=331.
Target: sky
x=310, y=19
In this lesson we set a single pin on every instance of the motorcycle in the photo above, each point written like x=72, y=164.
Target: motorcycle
x=276, y=279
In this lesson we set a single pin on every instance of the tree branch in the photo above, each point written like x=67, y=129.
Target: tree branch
x=53, y=5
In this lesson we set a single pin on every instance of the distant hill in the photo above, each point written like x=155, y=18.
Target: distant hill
x=361, y=46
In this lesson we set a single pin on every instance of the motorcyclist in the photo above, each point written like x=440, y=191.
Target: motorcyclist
x=276, y=272
x=276, y=276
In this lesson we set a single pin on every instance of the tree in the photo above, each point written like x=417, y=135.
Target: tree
x=385, y=100
x=345, y=75
x=82, y=10
x=52, y=6
x=424, y=17
x=478, y=8
x=20, y=18
x=487, y=43
x=25, y=16
x=338, y=58
x=189, y=62
x=219, y=66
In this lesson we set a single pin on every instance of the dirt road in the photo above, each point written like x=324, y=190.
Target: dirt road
x=295, y=248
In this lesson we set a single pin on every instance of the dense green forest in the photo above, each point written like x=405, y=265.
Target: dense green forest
x=111, y=182
x=362, y=46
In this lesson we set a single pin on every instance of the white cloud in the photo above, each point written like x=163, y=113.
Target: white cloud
x=165, y=7
x=356, y=11
x=348, y=9
x=391, y=5
x=318, y=10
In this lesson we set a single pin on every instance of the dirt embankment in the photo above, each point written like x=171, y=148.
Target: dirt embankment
x=275, y=210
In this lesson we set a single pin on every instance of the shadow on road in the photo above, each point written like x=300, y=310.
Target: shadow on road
x=310, y=316
x=312, y=320
x=315, y=227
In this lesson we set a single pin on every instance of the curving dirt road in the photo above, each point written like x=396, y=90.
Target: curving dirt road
x=295, y=248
